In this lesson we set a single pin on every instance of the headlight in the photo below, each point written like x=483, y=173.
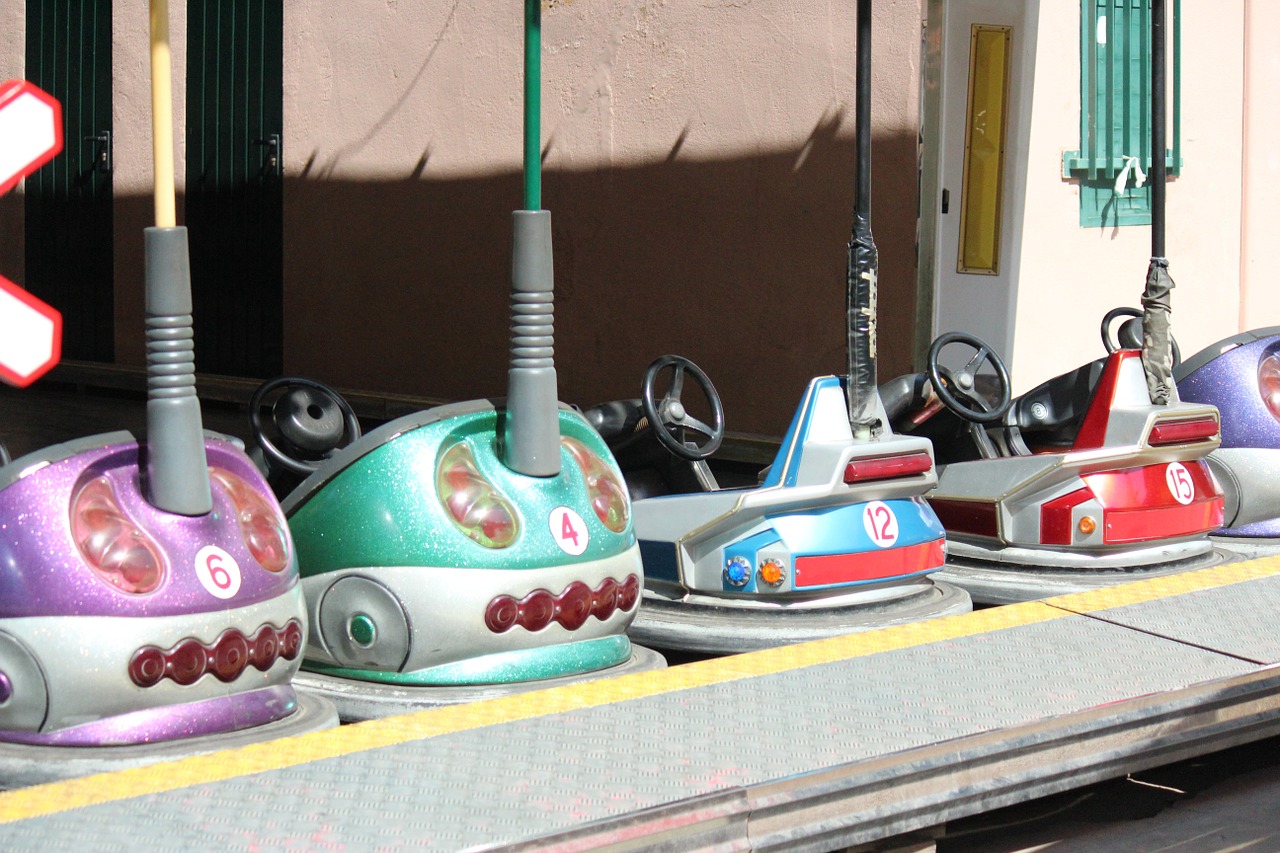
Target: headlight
x=260, y=522
x=113, y=546
x=1269, y=383
x=473, y=504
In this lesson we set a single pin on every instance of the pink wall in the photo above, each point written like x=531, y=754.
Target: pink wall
x=1071, y=276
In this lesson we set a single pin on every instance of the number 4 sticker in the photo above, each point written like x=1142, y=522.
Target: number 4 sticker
x=569, y=530
x=881, y=523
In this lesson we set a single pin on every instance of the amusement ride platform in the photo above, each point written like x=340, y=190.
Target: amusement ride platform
x=818, y=746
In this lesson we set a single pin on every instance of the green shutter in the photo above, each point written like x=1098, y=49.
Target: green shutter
x=1115, y=110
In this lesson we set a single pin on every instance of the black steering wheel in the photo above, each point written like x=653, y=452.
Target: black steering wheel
x=668, y=416
x=313, y=421
x=958, y=391
x=1130, y=335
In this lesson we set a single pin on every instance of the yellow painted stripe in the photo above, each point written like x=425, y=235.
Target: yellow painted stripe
x=347, y=740
x=1167, y=587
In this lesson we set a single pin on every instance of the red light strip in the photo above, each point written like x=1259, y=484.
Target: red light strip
x=226, y=658
x=571, y=608
x=1182, y=432
x=869, y=565
x=886, y=467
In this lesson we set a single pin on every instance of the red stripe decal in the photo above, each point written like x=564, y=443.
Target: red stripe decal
x=1093, y=430
x=869, y=565
x=1141, y=525
x=1055, y=517
x=1139, y=505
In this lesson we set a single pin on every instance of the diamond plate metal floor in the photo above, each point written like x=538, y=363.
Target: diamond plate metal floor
x=806, y=747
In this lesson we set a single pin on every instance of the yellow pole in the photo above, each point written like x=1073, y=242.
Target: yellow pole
x=162, y=115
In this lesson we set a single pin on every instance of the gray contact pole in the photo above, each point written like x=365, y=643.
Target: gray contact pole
x=532, y=439
x=177, y=472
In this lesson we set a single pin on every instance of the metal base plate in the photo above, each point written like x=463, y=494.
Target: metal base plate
x=367, y=700
x=22, y=764
x=1248, y=548
x=1008, y=583
x=705, y=625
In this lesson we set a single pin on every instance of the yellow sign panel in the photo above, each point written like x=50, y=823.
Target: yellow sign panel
x=985, y=120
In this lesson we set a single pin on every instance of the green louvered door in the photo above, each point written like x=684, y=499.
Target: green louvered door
x=68, y=202
x=234, y=166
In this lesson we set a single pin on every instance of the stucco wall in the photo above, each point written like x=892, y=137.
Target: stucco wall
x=1071, y=276
x=699, y=170
x=13, y=24
x=1260, y=304
x=134, y=208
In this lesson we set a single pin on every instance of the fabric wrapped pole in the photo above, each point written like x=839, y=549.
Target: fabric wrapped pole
x=1157, y=346
x=861, y=274
x=863, y=265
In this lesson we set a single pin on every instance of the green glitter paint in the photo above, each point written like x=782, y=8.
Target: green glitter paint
x=382, y=510
x=503, y=667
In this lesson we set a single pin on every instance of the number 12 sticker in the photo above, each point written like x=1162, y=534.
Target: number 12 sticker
x=881, y=523
x=569, y=530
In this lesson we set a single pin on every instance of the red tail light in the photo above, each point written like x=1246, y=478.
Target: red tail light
x=887, y=467
x=1182, y=432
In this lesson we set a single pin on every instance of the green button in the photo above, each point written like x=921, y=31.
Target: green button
x=362, y=630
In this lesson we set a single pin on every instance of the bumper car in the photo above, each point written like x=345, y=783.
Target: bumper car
x=1095, y=477
x=834, y=537
x=471, y=550
x=1079, y=483
x=150, y=606
x=1240, y=375
x=434, y=573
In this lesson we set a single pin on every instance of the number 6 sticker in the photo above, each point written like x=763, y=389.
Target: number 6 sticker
x=218, y=572
x=1180, y=484
x=569, y=530
x=881, y=523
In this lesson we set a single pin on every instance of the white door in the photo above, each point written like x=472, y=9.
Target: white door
x=975, y=285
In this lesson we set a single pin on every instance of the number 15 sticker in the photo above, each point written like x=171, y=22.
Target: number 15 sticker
x=569, y=530
x=881, y=523
x=1181, y=486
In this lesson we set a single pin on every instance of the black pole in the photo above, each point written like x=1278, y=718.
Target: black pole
x=1157, y=303
x=1157, y=126
x=862, y=268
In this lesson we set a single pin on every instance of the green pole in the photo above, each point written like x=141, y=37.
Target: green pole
x=532, y=104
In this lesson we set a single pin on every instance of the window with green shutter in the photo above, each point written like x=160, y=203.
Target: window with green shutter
x=1115, y=112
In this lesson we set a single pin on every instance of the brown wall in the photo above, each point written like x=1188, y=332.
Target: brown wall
x=699, y=170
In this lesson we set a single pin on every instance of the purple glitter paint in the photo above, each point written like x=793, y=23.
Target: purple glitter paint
x=173, y=722
x=42, y=572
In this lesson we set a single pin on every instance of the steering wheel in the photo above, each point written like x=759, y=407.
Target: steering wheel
x=670, y=419
x=1113, y=344
x=958, y=391
x=313, y=420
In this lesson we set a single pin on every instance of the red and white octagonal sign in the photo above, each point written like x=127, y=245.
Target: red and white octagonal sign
x=30, y=335
x=30, y=131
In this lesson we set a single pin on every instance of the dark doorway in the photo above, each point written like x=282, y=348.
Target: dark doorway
x=234, y=167
x=68, y=202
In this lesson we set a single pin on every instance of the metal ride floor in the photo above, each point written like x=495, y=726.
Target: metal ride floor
x=814, y=746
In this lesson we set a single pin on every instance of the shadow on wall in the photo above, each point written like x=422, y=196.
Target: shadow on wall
x=737, y=263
